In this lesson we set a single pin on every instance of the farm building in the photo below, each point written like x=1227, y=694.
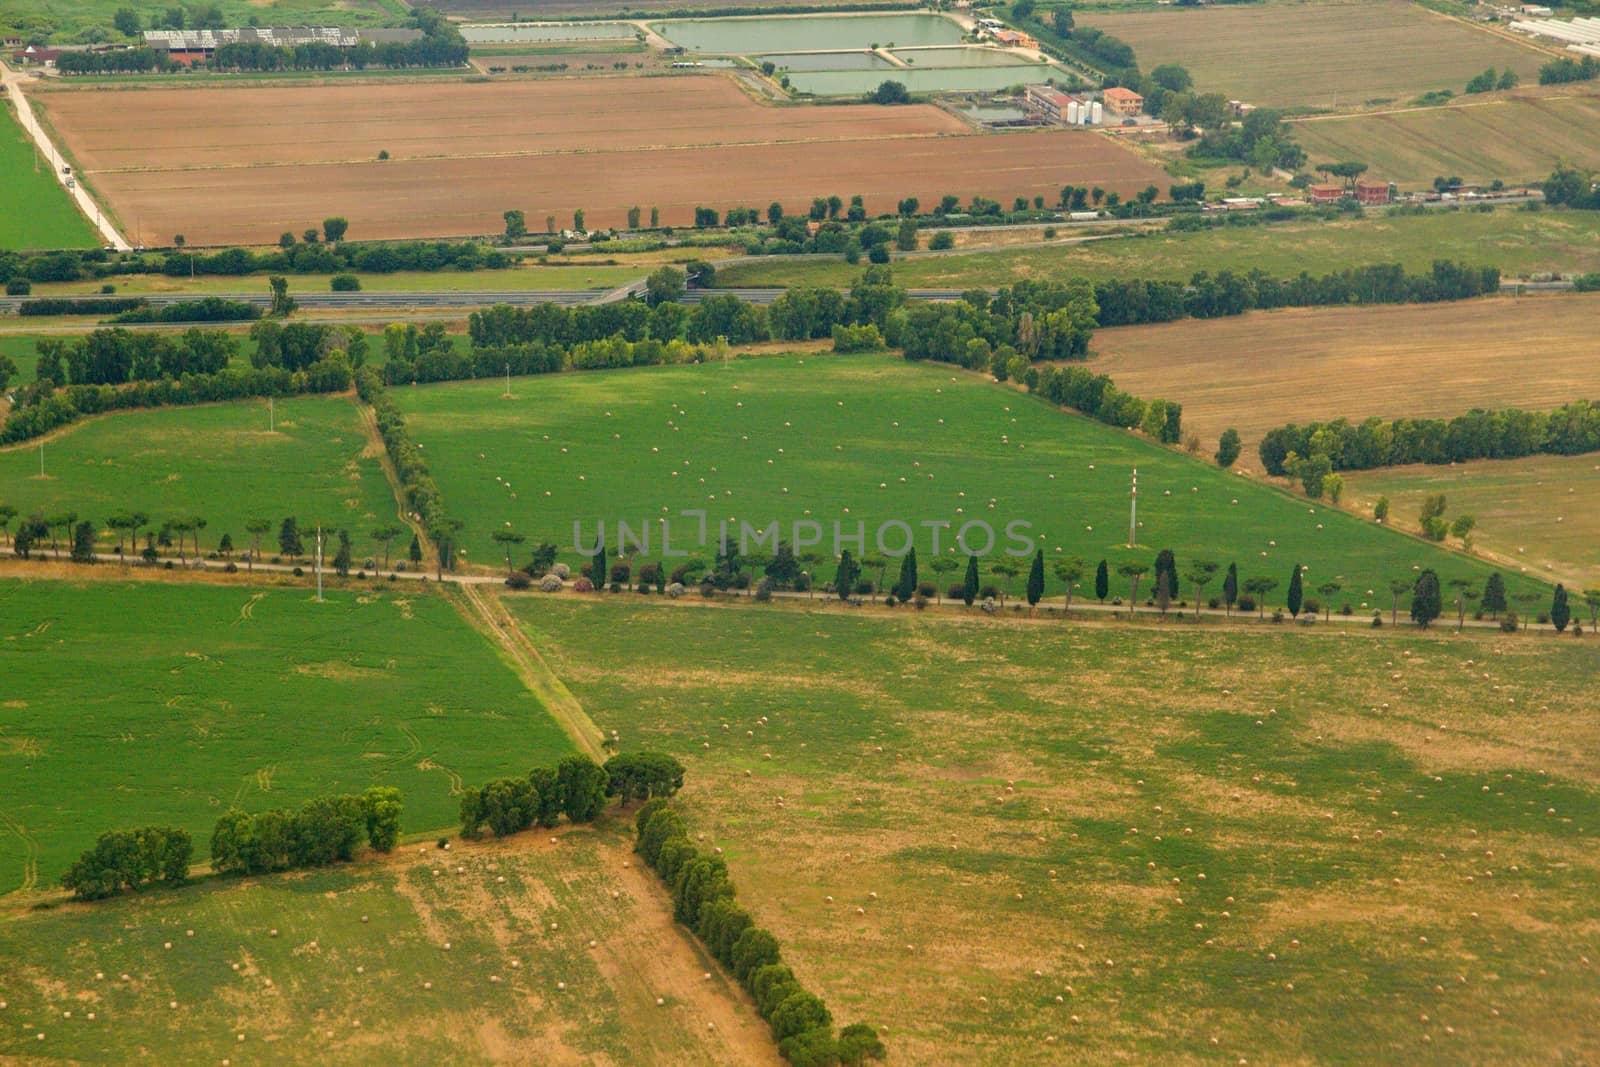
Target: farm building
x=1122, y=101
x=1368, y=192
x=1014, y=39
x=1052, y=102
x=38, y=57
x=188, y=47
x=1326, y=194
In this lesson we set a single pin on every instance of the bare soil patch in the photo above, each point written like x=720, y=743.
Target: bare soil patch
x=243, y=164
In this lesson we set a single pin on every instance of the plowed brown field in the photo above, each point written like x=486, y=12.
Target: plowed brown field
x=245, y=164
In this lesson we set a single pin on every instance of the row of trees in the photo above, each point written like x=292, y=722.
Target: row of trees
x=420, y=491
x=130, y=859
x=1137, y=301
x=327, y=829
x=41, y=407
x=327, y=256
x=117, y=356
x=46, y=530
x=703, y=900
x=1573, y=429
x=577, y=787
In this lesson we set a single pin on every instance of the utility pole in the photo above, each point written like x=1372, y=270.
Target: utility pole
x=41, y=459
x=508, y=379
x=319, y=563
x=1133, y=511
x=272, y=415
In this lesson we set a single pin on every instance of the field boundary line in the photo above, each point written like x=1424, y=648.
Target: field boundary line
x=482, y=609
x=369, y=427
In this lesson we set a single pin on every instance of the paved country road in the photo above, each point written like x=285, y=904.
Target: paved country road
x=13, y=82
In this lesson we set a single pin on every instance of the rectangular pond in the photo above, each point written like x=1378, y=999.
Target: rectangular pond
x=527, y=33
x=807, y=33
x=794, y=61
x=930, y=80
x=965, y=56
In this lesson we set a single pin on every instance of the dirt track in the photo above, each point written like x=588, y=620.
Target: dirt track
x=244, y=164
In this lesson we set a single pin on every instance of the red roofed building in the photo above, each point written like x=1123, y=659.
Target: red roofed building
x=1122, y=101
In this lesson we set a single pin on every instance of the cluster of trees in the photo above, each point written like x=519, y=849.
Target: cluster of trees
x=1572, y=187
x=577, y=787
x=1205, y=296
x=325, y=830
x=117, y=356
x=206, y=309
x=298, y=345
x=1263, y=140
x=1490, y=80
x=1573, y=429
x=1563, y=70
x=703, y=900
x=71, y=306
x=130, y=859
x=1004, y=333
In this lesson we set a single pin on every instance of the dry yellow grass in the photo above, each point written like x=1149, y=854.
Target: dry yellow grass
x=1261, y=370
x=1318, y=54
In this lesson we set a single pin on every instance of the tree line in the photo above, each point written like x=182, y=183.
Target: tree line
x=1510, y=433
x=576, y=787
x=43, y=408
x=325, y=830
x=703, y=900
x=307, y=254
x=1205, y=296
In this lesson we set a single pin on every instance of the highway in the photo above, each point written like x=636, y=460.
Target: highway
x=480, y=298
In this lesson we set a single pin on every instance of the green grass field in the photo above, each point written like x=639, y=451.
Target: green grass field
x=343, y=982
x=1515, y=137
x=866, y=439
x=1537, y=513
x=64, y=20
x=1518, y=242
x=34, y=210
x=129, y=704
x=1277, y=846
x=217, y=461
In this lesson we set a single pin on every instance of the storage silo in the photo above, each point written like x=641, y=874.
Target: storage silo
x=1072, y=113
x=1099, y=113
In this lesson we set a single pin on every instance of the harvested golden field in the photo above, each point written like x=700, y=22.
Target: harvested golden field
x=1257, y=371
x=1318, y=54
x=1539, y=514
x=244, y=164
x=1517, y=137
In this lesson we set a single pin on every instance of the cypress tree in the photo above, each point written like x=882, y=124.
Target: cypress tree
x=1560, y=613
x=844, y=578
x=1036, y=579
x=969, y=584
x=1102, y=582
x=906, y=587
x=1230, y=587
x=1167, y=563
x=1426, y=598
x=414, y=553
x=1296, y=592
x=597, y=570
x=1494, y=595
